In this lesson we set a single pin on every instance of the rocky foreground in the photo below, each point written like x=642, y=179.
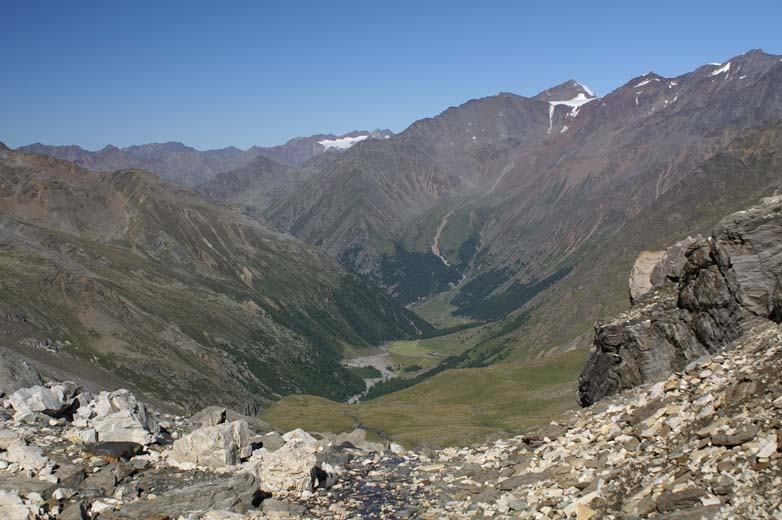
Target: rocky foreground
x=705, y=443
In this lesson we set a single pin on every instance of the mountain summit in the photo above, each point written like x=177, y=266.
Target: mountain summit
x=569, y=90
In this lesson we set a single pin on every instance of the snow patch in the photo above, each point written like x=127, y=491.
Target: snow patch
x=587, y=89
x=724, y=68
x=550, y=117
x=580, y=99
x=575, y=104
x=342, y=143
x=646, y=82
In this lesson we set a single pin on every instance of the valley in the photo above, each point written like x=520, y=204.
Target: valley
x=556, y=303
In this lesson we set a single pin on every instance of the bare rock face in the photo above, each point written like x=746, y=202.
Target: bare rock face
x=13, y=508
x=670, y=267
x=233, y=493
x=749, y=243
x=214, y=446
x=704, y=294
x=287, y=470
x=50, y=400
x=119, y=417
x=641, y=275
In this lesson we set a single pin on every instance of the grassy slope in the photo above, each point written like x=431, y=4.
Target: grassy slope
x=456, y=407
x=459, y=406
x=416, y=352
x=439, y=312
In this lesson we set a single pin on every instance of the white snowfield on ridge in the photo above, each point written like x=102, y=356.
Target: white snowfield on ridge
x=341, y=143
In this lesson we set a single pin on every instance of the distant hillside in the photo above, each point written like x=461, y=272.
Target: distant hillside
x=184, y=165
x=124, y=280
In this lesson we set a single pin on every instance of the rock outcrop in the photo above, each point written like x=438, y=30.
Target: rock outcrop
x=52, y=400
x=641, y=275
x=705, y=294
x=214, y=447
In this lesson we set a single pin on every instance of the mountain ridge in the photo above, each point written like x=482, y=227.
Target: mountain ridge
x=181, y=164
x=111, y=270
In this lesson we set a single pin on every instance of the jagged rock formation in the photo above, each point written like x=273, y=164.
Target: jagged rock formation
x=704, y=294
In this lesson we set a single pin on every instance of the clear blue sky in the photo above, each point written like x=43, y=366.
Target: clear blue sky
x=214, y=74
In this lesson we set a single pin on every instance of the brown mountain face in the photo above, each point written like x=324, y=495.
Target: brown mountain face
x=181, y=164
x=516, y=189
x=299, y=150
x=357, y=208
x=622, y=152
x=255, y=185
x=125, y=280
x=172, y=161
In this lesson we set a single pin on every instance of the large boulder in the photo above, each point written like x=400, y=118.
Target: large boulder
x=288, y=470
x=27, y=457
x=214, y=446
x=53, y=400
x=119, y=416
x=13, y=508
x=670, y=267
x=122, y=426
x=641, y=274
x=209, y=416
x=234, y=493
x=747, y=246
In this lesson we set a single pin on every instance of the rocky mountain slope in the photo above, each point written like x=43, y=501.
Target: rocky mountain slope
x=520, y=188
x=255, y=185
x=703, y=294
x=700, y=442
x=358, y=207
x=121, y=278
x=184, y=165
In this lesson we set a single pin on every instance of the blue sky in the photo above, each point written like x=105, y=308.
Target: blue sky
x=214, y=74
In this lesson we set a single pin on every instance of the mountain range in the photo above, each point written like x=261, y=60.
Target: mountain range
x=152, y=286
x=517, y=211
x=184, y=165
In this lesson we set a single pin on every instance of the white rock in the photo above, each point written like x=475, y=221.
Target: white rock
x=657, y=390
x=301, y=435
x=40, y=399
x=396, y=448
x=122, y=426
x=99, y=506
x=214, y=446
x=768, y=446
x=222, y=515
x=87, y=436
x=63, y=494
x=27, y=457
x=12, y=507
x=8, y=438
x=286, y=470
x=107, y=404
